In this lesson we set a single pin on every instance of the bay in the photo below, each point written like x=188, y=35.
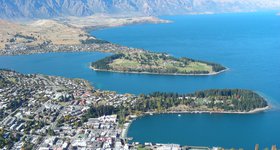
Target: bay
x=248, y=44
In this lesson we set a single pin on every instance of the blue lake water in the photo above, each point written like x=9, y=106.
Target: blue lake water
x=248, y=44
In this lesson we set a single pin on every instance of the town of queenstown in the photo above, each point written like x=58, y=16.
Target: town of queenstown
x=54, y=112
x=139, y=75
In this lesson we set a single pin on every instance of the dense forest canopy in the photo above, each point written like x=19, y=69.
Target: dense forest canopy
x=219, y=100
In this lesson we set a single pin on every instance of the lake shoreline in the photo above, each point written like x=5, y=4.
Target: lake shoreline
x=257, y=110
x=82, y=26
x=126, y=128
x=150, y=73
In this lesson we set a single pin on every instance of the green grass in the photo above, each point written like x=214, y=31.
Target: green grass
x=153, y=63
x=152, y=60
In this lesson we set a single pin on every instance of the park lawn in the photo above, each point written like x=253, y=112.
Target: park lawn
x=196, y=66
x=160, y=64
x=123, y=63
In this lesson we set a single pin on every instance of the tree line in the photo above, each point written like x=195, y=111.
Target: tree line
x=230, y=100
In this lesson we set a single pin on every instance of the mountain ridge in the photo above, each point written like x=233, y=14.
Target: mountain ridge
x=29, y=9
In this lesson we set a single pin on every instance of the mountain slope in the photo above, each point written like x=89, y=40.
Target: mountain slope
x=13, y=9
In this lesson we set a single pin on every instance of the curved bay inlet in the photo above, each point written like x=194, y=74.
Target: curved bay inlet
x=248, y=44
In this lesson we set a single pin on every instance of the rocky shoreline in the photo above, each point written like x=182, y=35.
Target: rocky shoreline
x=257, y=110
x=150, y=73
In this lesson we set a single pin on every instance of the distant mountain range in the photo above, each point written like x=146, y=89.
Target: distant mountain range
x=14, y=9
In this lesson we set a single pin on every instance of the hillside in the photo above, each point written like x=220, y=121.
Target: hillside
x=63, y=34
x=39, y=32
x=14, y=9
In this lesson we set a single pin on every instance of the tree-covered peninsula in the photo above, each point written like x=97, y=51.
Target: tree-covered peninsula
x=211, y=101
x=215, y=100
x=50, y=106
x=155, y=63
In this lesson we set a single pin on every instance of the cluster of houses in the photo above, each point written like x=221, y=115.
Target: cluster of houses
x=17, y=48
x=50, y=109
x=46, y=113
x=96, y=133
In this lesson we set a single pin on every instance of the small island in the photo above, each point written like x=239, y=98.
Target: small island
x=155, y=63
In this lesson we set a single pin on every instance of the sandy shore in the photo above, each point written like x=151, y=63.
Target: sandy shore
x=176, y=74
x=259, y=110
x=126, y=128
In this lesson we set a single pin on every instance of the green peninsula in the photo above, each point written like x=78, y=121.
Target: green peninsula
x=213, y=100
x=209, y=101
x=155, y=63
x=36, y=102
